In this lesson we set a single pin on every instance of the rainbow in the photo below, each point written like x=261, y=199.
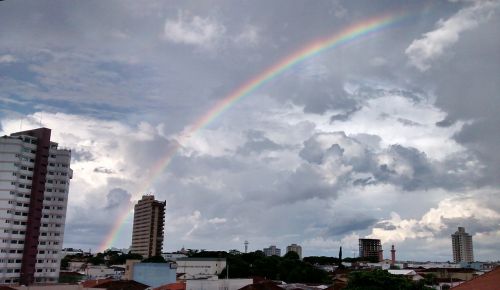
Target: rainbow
x=351, y=33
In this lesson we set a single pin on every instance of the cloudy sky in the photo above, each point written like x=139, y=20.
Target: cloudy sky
x=393, y=136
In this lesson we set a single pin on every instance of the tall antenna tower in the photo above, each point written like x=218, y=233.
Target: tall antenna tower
x=246, y=246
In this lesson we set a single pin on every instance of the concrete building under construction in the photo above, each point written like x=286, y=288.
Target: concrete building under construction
x=371, y=249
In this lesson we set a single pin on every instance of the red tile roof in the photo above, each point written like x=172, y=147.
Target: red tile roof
x=93, y=283
x=121, y=285
x=487, y=281
x=262, y=286
x=173, y=286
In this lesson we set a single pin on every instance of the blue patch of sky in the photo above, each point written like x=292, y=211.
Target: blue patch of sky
x=124, y=70
x=18, y=71
x=30, y=106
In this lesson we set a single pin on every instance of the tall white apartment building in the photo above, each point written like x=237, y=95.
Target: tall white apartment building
x=461, y=243
x=34, y=183
x=272, y=251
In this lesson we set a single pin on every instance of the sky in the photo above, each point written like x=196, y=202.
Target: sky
x=393, y=135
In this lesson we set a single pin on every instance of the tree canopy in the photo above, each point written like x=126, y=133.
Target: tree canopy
x=381, y=280
x=288, y=268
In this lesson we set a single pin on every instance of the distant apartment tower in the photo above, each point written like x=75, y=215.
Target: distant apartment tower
x=295, y=248
x=272, y=251
x=34, y=183
x=462, y=246
x=370, y=248
x=149, y=221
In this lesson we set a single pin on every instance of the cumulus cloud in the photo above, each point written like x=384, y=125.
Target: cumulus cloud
x=257, y=142
x=7, y=58
x=362, y=164
x=422, y=52
x=193, y=30
x=475, y=211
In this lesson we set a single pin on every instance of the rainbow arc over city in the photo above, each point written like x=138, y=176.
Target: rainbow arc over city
x=348, y=35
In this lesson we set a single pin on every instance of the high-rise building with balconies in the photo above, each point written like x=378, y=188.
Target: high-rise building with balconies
x=147, y=232
x=462, y=246
x=34, y=184
x=272, y=251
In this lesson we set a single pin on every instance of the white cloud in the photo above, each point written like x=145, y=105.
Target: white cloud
x=193, y=30
x=433, y=44
x=7, y=58
x=98, y=146
x=338, y=9
x=248, y=37
x=474, y=206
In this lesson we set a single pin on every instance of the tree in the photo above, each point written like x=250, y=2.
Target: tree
x=154, y=259
x=430, y=279
x=291, y=256
x=122, y=258
x=381, y=280
x=65, y=263
x=97, y=260
x=321, y=260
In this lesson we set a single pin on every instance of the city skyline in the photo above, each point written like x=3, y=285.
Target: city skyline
x=282, y=123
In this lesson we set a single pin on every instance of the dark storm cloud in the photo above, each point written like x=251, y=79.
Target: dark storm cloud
x=344, y=116
x=447, y=122
x=344, y=226
x=81, y=155
x=307, y=183
x=407, y=122
x=402, y=166
x=117, y=197
x=385, y=225
x=103, y=170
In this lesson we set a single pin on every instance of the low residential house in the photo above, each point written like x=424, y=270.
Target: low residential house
x=53, y=287
x=77, y=266
x=121, y=285
x=101, y=272
x=172, y=286
x=200, y=268
x=266, y=285
x=217, y=284
x=408, y=273
x=449, y=273
x=152, y=274
x=173, y=256
x=443, y=283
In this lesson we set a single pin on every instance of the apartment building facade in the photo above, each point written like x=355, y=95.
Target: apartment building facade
x=149, y=222
x=34, y=184
x=462, y=246
x=272, y=251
